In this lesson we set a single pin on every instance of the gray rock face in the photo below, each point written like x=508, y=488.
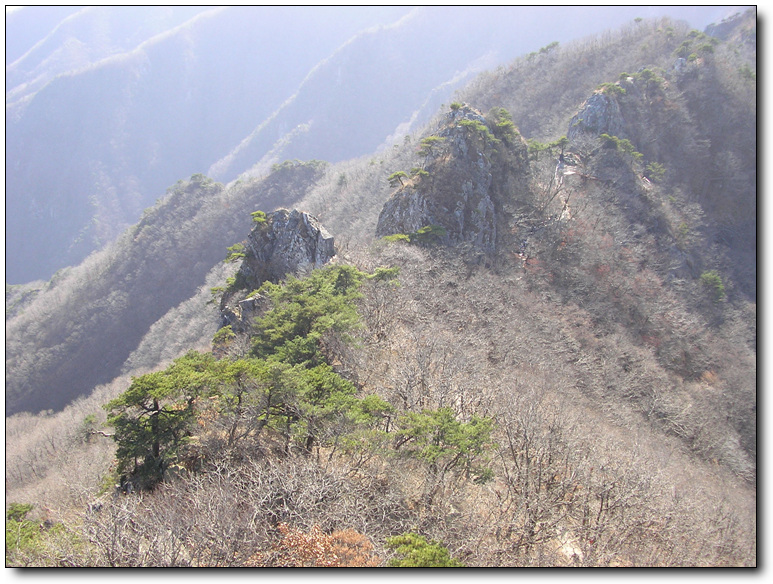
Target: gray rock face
x=600, y=114
x=239, y=314
x=456, y=194
x=288, y=242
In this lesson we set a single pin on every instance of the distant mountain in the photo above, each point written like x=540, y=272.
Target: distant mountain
x=113, y=104
x=82, y=317
x=26, y=27
x=95, y=146
x=105, y=305
x=83, y=37
x=535, y=345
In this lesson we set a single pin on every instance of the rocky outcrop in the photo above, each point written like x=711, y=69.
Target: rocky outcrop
x=600, y=114
x=454, y=191
x=288, y=241
x=285, y=242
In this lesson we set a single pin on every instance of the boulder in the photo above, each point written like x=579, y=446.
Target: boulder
x=286, y=243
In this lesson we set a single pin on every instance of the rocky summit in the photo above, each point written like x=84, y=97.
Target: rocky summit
x=452, y=191
x=288, y=241
x=282, y=242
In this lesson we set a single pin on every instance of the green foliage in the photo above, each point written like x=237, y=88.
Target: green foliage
x=18, y=511
x=712, y=281
x=418, y=552
x=428, y=145
x=36, y=544
x=650, y=78
x=21, y=534
x=233, y=283
x=385, y=274
x=216, y=292
x=428, y=235
x=302, y=311
x=549, y=47
x=397, y=238
x=152, y=418
x=437, y=438
x=480, y=128
x=201, y=179
x=26, y=541
x=456, y=106
x=235, y=252
x=259, y=217
x=538, y=149
x=205, y=183
x=655, y=171
x=502, y=123
x=397, y=178
x=747, y=72
x=611, y=89
x=289, y=165
x=370, y=409
x=620, y=144
x=324, y=398
x=417, y=172
x=223, y=339
x=87, y=427
x=298, y=402
x=287, y=385
x=224, y=335
x=706, y=48
x=695, y=45
x=684, y=49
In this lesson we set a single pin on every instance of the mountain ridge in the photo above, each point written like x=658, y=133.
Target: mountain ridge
x=97, y=184
x=561, y=315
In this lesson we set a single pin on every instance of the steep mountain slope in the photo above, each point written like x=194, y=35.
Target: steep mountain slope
x=694, y=117
x=573, y=296
x=80, y=329
x=348, y=200
x=101, y=115
x=92, y=148
x=620, y=223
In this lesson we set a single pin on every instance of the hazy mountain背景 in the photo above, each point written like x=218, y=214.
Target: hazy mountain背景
x=514, y=329
x=108, y=106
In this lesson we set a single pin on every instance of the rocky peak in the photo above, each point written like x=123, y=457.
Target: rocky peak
x=453, y=189
x=288, y=241
x=600, y=114
x=281, y=243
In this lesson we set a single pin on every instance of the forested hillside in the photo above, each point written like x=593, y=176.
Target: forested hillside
x=116, y=103
x=535, y=346
x=98, y=312
x=99, y=142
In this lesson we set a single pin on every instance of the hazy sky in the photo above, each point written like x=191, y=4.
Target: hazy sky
x=698, y=16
